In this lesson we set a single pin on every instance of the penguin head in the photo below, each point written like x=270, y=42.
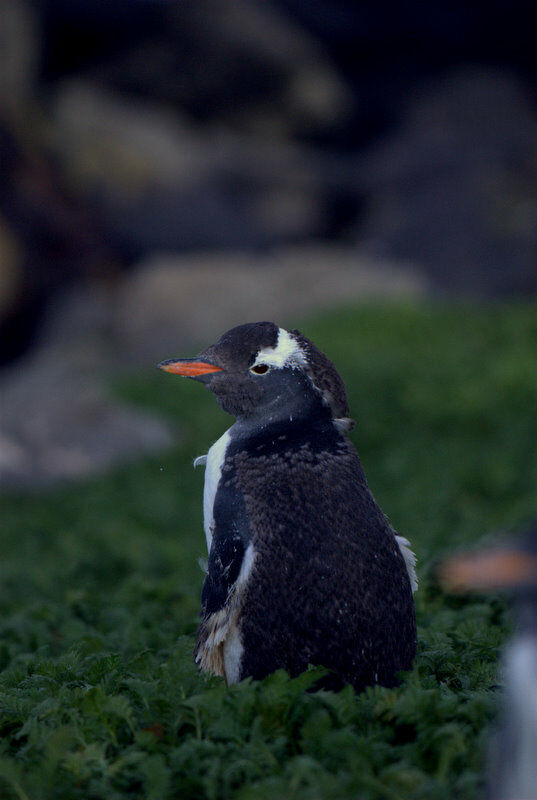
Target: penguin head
x=261, y=370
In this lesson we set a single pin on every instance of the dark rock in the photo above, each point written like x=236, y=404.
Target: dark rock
x=162, y=184
x=261, y=73
x=58, y=236
x=10, y=270
x=454, y=191
x=19, y=55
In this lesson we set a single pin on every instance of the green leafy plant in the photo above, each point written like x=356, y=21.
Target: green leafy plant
x=99, y=695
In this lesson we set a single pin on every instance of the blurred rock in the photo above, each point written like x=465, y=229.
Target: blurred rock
x=10, y=269
x=19, y=55
x=58, y=421
x=172, y=303
x=262, y=73
x=50, y=237
x=163, y=184
x=454, y=189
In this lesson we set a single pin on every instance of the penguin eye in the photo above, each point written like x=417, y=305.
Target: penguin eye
x=259, y=369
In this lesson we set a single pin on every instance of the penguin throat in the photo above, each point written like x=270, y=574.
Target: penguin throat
x=285, y=413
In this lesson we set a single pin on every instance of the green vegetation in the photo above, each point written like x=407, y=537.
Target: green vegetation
x=100, y=591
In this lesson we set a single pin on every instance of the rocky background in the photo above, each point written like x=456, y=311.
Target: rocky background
x=170, y=169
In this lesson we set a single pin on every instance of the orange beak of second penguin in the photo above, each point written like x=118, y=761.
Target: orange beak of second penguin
x=490, y=569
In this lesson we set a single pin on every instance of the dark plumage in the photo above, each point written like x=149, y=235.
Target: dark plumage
x=303, y=566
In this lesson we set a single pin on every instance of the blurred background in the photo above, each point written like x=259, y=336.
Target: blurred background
x=171, y=169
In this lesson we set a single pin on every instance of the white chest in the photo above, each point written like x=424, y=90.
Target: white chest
x=213, y=473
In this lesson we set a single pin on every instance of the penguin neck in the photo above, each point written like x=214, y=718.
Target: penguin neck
x=284, y=414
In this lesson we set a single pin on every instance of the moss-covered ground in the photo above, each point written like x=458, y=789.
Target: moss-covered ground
x=100, y=590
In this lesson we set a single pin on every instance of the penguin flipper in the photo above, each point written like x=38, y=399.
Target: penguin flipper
x=229, y=566
x=230, y=561
x=225, y=561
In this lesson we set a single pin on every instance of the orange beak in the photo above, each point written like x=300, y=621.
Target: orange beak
x=190, y=368
x=493, y=569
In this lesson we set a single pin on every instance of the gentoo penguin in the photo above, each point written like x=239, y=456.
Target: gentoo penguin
x=510, y=568
x=303, y=566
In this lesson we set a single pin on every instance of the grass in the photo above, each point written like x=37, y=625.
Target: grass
x=100, y=590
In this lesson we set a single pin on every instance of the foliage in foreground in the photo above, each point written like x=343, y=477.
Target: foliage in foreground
x=99, y=695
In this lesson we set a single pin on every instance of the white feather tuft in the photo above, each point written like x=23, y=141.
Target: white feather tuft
x=343, y=423
x=410, y=560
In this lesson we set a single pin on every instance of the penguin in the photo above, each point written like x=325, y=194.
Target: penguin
x=303, y=566
x=509, y=568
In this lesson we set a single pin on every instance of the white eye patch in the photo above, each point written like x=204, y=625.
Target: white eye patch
x=287, y=353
